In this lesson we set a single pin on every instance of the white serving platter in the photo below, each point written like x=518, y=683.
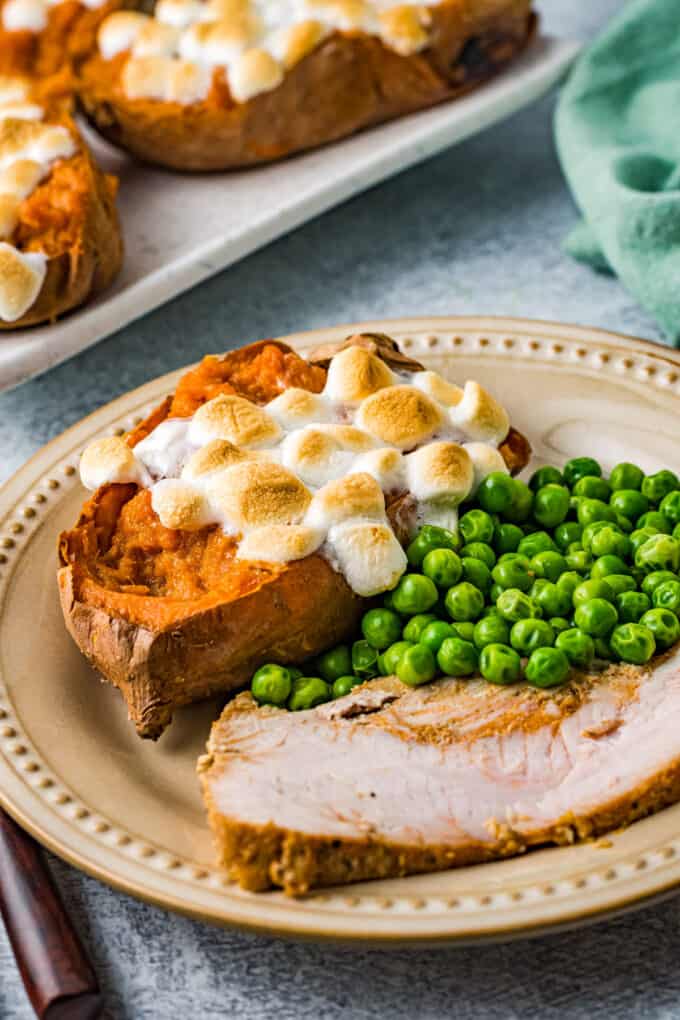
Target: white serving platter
x=180, y=229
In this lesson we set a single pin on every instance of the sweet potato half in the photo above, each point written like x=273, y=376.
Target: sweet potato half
x=171, y=617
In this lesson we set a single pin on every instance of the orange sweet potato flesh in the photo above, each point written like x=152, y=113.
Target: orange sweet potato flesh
x=171, y=616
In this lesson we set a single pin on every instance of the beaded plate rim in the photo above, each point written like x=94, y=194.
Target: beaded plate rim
x=80, y=834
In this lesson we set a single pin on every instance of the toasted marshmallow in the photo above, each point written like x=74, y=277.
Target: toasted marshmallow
x=178, y=13
x=165, y=450
x=349, y=437
x=187, y=82
x=155, y=40
x=437, y=388
x=120, y=31
x=355, y=374
x=368, y=556
x=255, y=494
x=480, y=416
x=24, y=16
x=166, y=79
x=28, y=140
x=21, y=277
x=405, y=28
x=14, y=88
x=280, y=543
x=440, y=471
x=485, y=459
x=351, y=496
x=21, y=178
x=295, y=407
x=386, y=465
x=289, y=45
x=254, y=72
x=401, y=416
x=21, y=111
x=180, y=505
x=9, y=215
x=218, y=43
x=346, y=15
x=234, y=418
x=214, y=456
x=314, y=455
x=110, y=461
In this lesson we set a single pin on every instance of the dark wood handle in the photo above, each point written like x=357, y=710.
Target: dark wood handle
x=58, y=977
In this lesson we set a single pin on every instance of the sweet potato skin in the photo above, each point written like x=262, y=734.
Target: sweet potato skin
x=348, y=83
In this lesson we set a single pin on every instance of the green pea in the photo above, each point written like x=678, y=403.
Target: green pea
x=609, y=541
x=605, y=565
x=344, y=684
x=657, y=577
x=271, y=684
x=491, y=630
x=620, y=582
x=547, y=667
x=624, y=524
x=633, y=642
x=626, y=476
x=495, y=492
x=477, y=573
x=664, y=625
x=364, y=659
x=338, y=661
x=464, y=629
x=578, y=560
x=514, y=605
x=537, y=542
x=631, y=605
x=590, y=530
x=569, y=582
x=507, y=538
x=416, y=666
x=500, y=664
x=629, y=502
x=389, y=660
x=578, y=647
x=667, y=596
x=551, y=505
x=381, y=628
x=580, y=467
x=602, y=649
x=414, y=594
x=457, y=657
x=592, y=488
x=639, y=537
x=591, y=510
x=550, y=565
x=660, y=552
x=545, y=476
x=596, y=588
x=553, y=600
x=495, y=593
x=512, y=574
x=566, y=533
x=479, y=551
x=464, y=602
x=294, y=672
x=655, y=487
x=522, y=501
x=308, y=692
x=476, y=526
x=596, y=617
x=655, y=519
x=443, y=566
x=676, y=532
x=436, y=633
x=559, y=624
x=670, y=507
x=526, y=635
x=428, y=538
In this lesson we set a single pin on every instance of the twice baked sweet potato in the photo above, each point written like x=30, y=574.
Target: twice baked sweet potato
x=172, y=616
x=322, y=86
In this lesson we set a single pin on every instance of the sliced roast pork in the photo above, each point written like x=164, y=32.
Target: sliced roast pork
x=392, y=780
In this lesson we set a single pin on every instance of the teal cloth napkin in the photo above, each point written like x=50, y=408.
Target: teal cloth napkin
x=617, y=129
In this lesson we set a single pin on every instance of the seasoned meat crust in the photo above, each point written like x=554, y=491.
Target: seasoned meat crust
x=391, y=780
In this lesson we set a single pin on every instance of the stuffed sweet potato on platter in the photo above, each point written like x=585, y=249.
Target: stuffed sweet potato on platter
x=251, y=515
x=220, y=84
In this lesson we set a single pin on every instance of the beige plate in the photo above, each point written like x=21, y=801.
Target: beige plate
x=73, y=772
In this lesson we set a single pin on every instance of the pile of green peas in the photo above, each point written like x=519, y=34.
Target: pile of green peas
x=539, y=579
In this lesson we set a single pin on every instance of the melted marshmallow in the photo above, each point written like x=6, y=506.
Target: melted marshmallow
x=32, y=15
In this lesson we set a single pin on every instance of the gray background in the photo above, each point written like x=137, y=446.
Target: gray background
x=476, y=230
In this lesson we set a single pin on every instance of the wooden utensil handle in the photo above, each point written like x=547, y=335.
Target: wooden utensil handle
x=58, y=977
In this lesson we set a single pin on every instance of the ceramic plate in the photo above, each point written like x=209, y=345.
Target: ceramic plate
x=180, y=229
x=74, y=773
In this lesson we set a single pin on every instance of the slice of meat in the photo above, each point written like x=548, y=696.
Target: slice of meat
x=391, y=780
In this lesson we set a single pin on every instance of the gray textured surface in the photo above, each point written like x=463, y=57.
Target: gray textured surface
x=475, y=230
